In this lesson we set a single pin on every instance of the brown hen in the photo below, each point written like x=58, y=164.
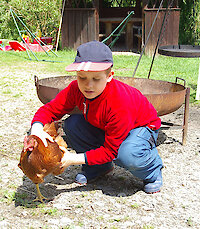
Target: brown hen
x=37, y=161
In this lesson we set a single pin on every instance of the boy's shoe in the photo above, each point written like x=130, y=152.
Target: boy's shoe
x=155, y=186
x=92, y=173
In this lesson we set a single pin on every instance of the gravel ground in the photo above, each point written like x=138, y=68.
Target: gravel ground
x=115, y=201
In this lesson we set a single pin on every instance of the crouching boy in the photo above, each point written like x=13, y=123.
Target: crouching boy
x=118, y=124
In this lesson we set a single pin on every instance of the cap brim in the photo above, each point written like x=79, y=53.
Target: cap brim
x=88, y=66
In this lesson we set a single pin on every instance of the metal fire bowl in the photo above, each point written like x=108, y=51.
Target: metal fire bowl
x=165, y=96
x=187, y=51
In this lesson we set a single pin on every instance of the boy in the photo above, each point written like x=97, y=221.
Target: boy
x=117, y=122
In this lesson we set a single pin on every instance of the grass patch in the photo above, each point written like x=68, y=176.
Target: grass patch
x=7, y=196
x=49, y=211
x=135, y=205
x=164, y=68
x=148, y=227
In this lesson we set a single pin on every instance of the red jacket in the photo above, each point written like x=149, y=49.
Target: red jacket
x=119, y=109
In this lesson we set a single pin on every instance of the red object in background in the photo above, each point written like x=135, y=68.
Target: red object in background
x=8, y=48
x=26, y=39
x=34, y=47
x=46, y=40
x=35, y=42
x=38, y=48
x=17, y=46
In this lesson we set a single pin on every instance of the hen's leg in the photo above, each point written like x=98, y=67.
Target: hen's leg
x=40, y=197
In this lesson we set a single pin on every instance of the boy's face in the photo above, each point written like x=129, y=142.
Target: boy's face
x=92, y=84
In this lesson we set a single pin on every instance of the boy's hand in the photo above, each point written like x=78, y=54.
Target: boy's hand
x=37, y=130
x=71, y=158
x=66, y=159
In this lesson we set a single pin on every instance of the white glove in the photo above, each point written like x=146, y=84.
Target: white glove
x=37, y=129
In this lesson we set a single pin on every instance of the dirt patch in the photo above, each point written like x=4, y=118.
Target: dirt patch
x=116, y=201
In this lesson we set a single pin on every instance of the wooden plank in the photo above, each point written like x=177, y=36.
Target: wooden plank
x=156, y=30
x=79, y=26
x=176, y=26
x=68, y=29
x=72, y=29
x=64, y=30
x=92, y=28
x=119, y=11
x=164, y=38
x=96, y=17
x=147, y=29
x=85, y=25
x=170, y=34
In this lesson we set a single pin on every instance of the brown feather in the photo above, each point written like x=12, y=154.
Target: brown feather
x=37, y=161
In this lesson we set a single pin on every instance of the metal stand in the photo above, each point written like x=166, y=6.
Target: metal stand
x=184, y=126
x=33, y=36
x=186, y=116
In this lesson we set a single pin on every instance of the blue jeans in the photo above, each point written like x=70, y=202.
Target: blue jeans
x=137, y=153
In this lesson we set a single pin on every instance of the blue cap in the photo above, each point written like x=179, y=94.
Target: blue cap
x=92, y=56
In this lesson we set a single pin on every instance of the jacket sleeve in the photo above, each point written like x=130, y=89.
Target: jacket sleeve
x=63, y=103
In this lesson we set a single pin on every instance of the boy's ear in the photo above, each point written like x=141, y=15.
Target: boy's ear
x=110, y=76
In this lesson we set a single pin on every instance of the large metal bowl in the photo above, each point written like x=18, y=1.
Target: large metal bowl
x=165, y=96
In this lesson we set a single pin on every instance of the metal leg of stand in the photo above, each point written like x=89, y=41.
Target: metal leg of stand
x=186, y=116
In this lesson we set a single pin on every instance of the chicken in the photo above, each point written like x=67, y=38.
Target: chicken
x=37, y=161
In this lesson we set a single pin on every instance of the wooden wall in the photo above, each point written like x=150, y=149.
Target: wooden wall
x=79, y=25
x=119, y=12
x=170, y=34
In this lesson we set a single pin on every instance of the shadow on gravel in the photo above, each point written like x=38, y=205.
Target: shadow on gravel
x=120, y=183
x=162, y=137
x=165, y=139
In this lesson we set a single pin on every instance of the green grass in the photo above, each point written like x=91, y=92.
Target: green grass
x=164, y=68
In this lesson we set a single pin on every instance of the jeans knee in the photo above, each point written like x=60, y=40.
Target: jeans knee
x=131, y=158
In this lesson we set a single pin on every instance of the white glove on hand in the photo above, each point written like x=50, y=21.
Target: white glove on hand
x=37, y=129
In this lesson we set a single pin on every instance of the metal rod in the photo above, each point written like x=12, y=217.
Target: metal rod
x=147, y=38
x=118, y=35
x=127, y=18
x=161, y=29
x=33, y=35
x=20, y=34
x=18, y=30
x=60, y=26
x=186, y=116
x=26, y=45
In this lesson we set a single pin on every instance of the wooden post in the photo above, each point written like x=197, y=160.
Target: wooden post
x=108, y=31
